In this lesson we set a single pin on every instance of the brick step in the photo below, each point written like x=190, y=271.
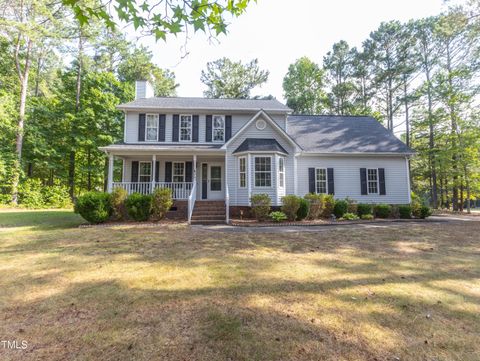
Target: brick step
x=209, y=209
x=209, y=205
x=209, y=202
x=209, y=213
x=210, y=221
x=209, y=218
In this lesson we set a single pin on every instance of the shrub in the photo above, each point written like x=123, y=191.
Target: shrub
x=328, y=205
x=340, y=208
x=394, y=212
x=30, y=194
x=405, y=211
x=94, y=206
x=5, y=198
x=302, y=212
x=260, y=206
x=382, y=210
x=56, y=196
x=367, y=217
x=363, y=209
x=162, y=201
x=138, y=206
x=117, y=201
x=352, y=205
x=349, y=217
x=278, y=216
x=290, y=206
x=315, y=205
x=423, y=212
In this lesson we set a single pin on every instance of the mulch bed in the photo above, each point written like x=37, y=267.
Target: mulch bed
x=320, y=222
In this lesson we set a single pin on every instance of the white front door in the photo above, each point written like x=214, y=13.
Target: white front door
x=212, y=185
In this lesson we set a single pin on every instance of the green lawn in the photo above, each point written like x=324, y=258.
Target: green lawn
x=410, y=291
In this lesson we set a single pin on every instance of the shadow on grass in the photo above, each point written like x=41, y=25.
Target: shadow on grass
x=40, y=219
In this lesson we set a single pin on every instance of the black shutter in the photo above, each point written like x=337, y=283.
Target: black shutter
x=311, y=180
x=134, y=177
x=381, y=181
x=141, y=127
x=175, y=126
x=208, y=128
x=188, y=171
x=195, y=128
x=157, y=171
x=331, y=182
x=168, y=171
x=228, y=127
x=363, y=181
x=161, y=128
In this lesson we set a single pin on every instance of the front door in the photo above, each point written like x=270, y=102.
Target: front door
x=212, y=181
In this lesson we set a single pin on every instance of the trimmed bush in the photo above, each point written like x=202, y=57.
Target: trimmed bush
x=260, y=206
x=382, y=210
x=367, y=217
x=302, y=212
x=349, y=217
x=117, y=201
x=162, y=201
x=352, y=205
x=328, y=205
x=364, y=209
x=94, y=207
x=315, y=205
x=138, y=206
x=278, y=216
x=405, y=211
x=423, y=212
x=340, y=208
x=290, y=206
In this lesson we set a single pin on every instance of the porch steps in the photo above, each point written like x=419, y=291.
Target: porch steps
x=209, y=212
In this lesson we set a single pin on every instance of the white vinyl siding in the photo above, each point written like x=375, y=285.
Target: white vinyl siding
x=238, y=121
x=347, y=176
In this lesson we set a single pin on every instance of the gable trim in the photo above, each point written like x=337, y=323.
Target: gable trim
x=272, y=122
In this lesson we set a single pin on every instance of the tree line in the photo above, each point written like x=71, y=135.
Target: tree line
x=63, y=71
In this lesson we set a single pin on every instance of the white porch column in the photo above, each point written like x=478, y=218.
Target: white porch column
x=154, y=165
x=194, y=169
x=249, y=177
x=110, y=173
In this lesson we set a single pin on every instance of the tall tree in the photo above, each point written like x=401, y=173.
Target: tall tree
x=225, y=78
x=26, y=23
x=303, y=87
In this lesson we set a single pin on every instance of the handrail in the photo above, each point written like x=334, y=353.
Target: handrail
x=227, y=204
x=191, y=201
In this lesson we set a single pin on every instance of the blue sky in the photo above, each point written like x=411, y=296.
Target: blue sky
x=278, y=32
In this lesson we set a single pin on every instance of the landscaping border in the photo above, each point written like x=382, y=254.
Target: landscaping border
x=236, y=223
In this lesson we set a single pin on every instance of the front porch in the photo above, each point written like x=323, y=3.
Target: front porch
x=192, y=178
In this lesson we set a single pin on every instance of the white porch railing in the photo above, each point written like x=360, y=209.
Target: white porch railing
x=191, y=201
x=180, y=190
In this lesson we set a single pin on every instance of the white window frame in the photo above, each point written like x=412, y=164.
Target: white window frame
x=369, y=181
x=178, y=175
x=240, y=172
x=189, y=127
x=156, y=118
x=281, y=172
x=140, y=175
x=317, y=181
x=214, y=128
x=255, y=171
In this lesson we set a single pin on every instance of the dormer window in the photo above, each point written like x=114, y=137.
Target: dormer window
x=185, y=128
x=151, y=127
x=218, y=128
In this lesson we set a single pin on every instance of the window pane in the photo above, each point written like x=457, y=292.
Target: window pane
x=321, y=180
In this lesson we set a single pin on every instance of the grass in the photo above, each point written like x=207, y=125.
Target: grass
x=167, y=293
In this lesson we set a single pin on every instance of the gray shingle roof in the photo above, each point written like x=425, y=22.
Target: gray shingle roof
x=343, y=134
x=260, y=145
x=206, y=104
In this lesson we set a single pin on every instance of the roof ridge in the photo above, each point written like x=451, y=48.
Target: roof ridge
x=330, y=115
x=205, y=98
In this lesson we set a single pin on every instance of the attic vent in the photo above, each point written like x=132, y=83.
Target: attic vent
x=260, y=124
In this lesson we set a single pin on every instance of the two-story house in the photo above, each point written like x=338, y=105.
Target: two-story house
x=215, y=153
